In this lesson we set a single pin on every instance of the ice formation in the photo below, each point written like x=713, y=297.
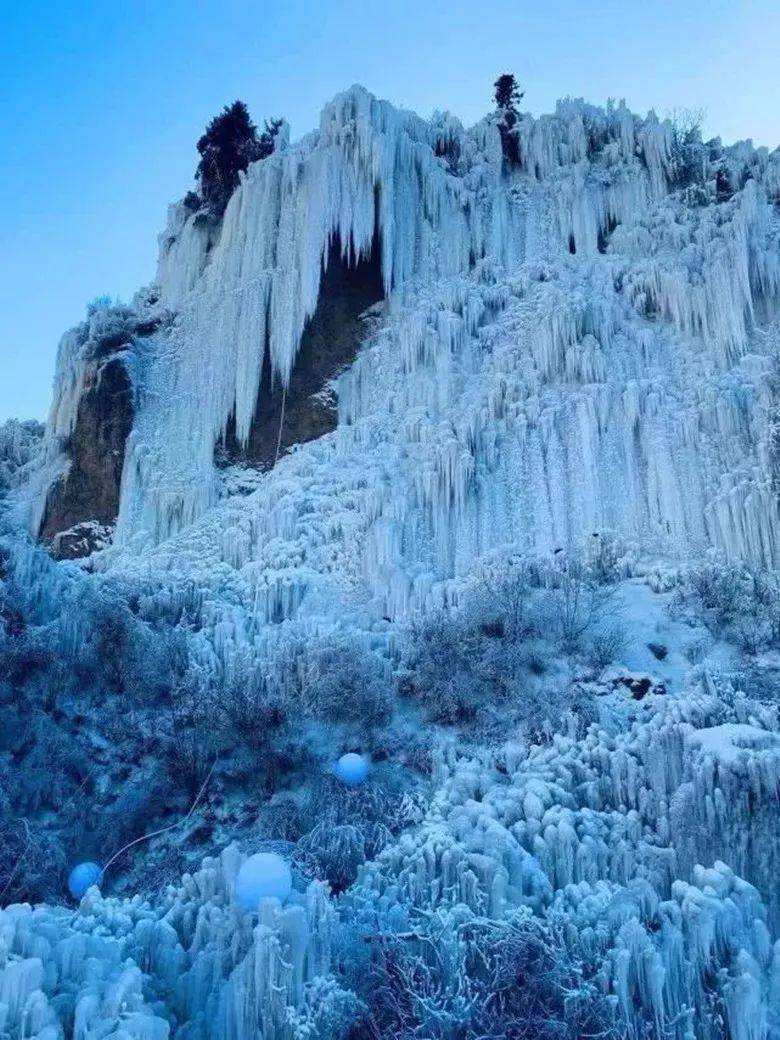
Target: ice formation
x=605, y=832
x=572, y=346
x=586, y=343
x=218, y=973
x=575, y=346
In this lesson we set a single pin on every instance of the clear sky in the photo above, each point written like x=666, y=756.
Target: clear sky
x=101, y=104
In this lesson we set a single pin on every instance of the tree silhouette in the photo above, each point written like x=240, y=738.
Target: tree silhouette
x=229, y=144
x=507, y=95
x=507, y=92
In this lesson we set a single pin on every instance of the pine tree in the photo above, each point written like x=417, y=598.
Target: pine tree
x=507, y=95
x=267, y=141
x=507, y=92
x=230, y=143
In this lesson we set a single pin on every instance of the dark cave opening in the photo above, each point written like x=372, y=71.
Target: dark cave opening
x=329, y=343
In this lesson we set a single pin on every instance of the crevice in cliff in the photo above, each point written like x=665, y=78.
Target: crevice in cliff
x=330, y=342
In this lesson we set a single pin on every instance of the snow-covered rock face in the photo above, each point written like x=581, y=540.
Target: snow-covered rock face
x=567, y=347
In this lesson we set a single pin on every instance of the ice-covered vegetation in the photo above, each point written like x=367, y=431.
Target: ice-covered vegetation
x=20, y=444
x=528, y=580
x=561, y=855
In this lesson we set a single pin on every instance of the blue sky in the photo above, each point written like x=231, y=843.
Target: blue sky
x=101, y=105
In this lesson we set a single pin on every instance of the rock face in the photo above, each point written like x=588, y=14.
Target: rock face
x=330, y=343
x=86, y=498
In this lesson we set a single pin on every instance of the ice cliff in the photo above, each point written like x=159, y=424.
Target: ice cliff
x=582, y=343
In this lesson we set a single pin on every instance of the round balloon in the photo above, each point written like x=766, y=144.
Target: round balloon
x=351, y=769
x=264, y=875
x=82, y=877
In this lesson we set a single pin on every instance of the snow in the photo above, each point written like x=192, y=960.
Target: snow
x=730, y=743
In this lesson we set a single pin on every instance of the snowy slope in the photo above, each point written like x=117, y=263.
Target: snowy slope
x=601, y=834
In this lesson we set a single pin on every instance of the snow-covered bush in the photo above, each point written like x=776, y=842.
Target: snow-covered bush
x=328, y=1012
x=85, y=685
x=32, y=858
x=688, y=158
x=604, y=645
x=251, y=706
x=345, y=683
x=349, y=826
x=503, y=651
x=576, y=601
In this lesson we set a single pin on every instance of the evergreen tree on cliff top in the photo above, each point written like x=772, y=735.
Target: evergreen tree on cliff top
x=229, y=144
x=507, y=95
x=507, y=92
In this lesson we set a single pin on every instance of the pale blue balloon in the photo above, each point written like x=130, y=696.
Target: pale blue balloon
x=351, y=769
x=264, y=875
x=82, y=877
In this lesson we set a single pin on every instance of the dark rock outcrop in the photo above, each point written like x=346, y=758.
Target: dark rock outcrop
x=329, y=343
x=86, y=498
x=82, y=506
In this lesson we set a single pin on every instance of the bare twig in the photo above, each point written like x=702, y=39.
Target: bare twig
x=162, y=830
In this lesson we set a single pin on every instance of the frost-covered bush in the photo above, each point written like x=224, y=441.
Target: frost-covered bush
x=85, y=686
x=111, y=327
x=736, y=602
x=461, y=977
x=688, y=159
x=328, y=1012
x=504, y=652
x=576, y=601
x=604, y=646
x=250, y=705
x=353, y=825
x=32, y=859
x=345, y=683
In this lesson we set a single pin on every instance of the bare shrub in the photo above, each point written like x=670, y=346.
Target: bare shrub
x=576, y=602
x=474, y=978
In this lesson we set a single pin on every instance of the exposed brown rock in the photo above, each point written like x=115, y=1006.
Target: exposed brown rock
x=87, y=497
x=329, y=343
x=82, y=507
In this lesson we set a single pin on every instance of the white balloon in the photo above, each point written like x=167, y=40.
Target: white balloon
x=82, y=877
x=262, y=876
x=351, y=769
